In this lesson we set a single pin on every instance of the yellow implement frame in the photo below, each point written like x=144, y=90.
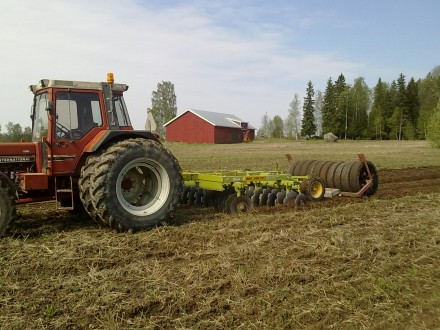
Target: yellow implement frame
x=239, y=181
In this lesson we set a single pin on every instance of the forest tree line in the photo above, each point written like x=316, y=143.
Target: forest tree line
x=402, y=109
x=14, y=133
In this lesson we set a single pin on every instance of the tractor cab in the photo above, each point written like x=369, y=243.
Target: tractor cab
x=68, y=116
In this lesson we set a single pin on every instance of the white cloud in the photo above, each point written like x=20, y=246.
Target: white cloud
x=240, y=68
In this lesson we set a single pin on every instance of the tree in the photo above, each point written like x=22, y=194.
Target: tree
x=13, y=131
x=401, y=107
x=265, y=127
x=390, y=111
x=308, y=122
x=27, y=134
x=328, y=108
x=292, y=122
x=357, y=107
x=429, y=96
x=277, y=127
x=164, y=106
x=340, y=107
x=434, y=128
x=377, y=117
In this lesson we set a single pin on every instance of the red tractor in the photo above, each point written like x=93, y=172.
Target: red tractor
x=84, y=151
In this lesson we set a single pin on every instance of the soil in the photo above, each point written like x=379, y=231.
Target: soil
x=409, y=181
x=277, y=268
x=393, y=183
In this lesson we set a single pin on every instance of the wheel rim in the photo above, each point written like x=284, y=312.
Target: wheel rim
x=142, y=187
x=242, y=207
x=316, y=189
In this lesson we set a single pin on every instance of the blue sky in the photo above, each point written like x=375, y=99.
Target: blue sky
x=246, y=57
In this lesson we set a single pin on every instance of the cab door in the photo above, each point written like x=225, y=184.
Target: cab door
x=77, y=118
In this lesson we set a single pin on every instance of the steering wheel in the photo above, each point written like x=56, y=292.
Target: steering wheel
x=76, y=134
x=62, y=132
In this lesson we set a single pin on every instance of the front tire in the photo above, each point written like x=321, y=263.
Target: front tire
x=136, y=185
x=7, y=210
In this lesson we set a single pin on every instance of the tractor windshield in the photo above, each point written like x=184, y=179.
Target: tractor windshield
x=120, y=111
x=40, y=119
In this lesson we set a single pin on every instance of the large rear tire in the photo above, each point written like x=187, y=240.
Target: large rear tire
x=136, y=185
x=84, y=184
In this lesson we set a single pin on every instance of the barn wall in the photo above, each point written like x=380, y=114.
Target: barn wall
x=228, y=135
x=190, y=128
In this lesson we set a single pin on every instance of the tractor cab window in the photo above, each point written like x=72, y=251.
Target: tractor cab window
x=39, y=116
x=120, y=111
x=76, y=114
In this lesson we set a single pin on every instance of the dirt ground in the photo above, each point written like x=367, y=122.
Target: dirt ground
x=277, y=268
x=396, y=183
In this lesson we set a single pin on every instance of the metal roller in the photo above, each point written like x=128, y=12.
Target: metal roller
x=346, y=176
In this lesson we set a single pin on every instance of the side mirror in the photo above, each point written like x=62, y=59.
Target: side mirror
x=49, y=107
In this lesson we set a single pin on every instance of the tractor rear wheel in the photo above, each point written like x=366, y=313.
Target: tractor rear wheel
x=136, y=185
x=7, y=210
x=84, y=184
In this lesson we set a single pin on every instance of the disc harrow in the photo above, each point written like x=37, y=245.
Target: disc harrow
x=240, y=191
x=307, y=180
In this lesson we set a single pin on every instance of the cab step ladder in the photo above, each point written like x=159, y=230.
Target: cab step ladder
x=64, y=194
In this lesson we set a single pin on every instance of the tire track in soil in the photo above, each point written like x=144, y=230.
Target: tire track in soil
x=409, y=181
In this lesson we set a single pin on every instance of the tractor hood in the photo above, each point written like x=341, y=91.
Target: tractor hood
x=17, y=152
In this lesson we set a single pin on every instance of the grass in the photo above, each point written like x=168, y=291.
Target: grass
x=353, y=264
x=266, y=155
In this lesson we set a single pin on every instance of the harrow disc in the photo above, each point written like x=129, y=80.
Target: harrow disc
x=300, y=200
x=272, y=197
x=241, y=204
x=264, y=196
x=280, y=197
x=256, y=196
x=228, y=202
x=290, y=197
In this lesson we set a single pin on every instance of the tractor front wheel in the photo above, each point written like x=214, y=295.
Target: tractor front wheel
x=7, y=210
x=136, y=184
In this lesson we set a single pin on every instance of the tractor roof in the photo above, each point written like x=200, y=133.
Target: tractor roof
x=46, y=83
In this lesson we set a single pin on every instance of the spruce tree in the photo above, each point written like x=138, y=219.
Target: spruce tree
x=340, y=106
x=328, y=108
x=413, y=104
x=308, y=122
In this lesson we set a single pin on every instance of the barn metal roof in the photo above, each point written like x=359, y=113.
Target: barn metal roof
x=215, y=118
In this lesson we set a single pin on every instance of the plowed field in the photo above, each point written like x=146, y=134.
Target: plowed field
x=344, y=263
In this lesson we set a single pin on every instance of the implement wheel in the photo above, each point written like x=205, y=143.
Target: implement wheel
x=241, y=204
x=315, y=189
x=136, y=185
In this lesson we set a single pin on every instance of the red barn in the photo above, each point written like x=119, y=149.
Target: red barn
x=197, y=126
